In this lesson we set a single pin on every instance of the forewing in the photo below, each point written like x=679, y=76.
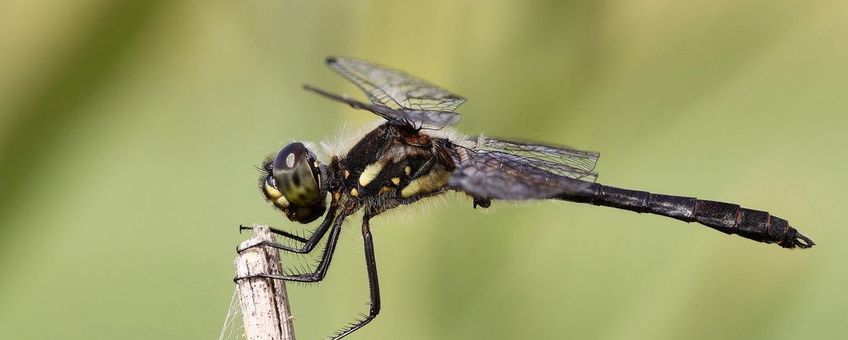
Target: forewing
x=491, y=168
x=399, y=91
x=422, y=119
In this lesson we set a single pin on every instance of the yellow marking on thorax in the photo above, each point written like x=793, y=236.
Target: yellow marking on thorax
x=395, y=180
x=354, y=192
x=435, y=180
x=346, y=174
x=371, y=171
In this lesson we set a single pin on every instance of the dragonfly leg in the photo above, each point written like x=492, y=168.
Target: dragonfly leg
x=373, y=284
x=321, y=271
x=282, y=233
x=308, y=244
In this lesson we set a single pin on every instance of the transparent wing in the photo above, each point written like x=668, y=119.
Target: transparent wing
x=413, y=118
x=397, y=90
x=559, y=160
x=492, y=168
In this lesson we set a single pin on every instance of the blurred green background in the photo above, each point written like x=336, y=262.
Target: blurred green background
x=129, y=132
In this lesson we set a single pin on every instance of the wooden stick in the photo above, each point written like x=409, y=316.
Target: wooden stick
x=264, y=302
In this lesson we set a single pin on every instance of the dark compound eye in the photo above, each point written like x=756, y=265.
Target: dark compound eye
x=296, y=176
x=290, y=156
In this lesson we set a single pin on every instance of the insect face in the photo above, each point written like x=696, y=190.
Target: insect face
x=292, y=182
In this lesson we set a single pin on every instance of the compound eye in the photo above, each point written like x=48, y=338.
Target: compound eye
x=296, y=175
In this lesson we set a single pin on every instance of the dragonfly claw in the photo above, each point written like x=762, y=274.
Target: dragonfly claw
x=243, y=227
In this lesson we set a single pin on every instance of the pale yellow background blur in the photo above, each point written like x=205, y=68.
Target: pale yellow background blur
x=129, y=132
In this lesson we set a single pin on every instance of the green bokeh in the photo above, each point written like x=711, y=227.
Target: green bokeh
x=129, y=132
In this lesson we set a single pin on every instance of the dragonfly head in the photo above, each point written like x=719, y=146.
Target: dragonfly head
x=292, y=182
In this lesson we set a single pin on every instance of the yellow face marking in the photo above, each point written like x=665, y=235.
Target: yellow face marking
x=371, y=171
x=433, y=181
x=272, y=192
x=354, y=192
x=346, y=174
x=386, y=189
x=407, y=170
x=395, y=180
x=281, y=202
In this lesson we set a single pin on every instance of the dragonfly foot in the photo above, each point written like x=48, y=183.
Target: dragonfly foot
x=243, y=227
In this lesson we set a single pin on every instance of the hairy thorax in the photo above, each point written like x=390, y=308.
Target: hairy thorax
x=391, y=166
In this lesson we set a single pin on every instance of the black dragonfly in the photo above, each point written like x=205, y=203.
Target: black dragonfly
x=413, y=156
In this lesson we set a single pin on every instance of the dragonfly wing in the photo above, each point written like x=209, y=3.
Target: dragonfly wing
x=415, y=99
x=428, y=119
x=498, y=169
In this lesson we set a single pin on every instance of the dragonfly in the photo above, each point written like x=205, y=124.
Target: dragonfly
x=414, y=154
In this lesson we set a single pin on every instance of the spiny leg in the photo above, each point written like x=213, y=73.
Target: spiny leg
x=282, y=233
x=308, y=244
x=321, y=270
x=373, y=284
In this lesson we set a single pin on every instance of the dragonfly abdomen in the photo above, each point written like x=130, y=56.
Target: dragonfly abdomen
x=728, y=218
